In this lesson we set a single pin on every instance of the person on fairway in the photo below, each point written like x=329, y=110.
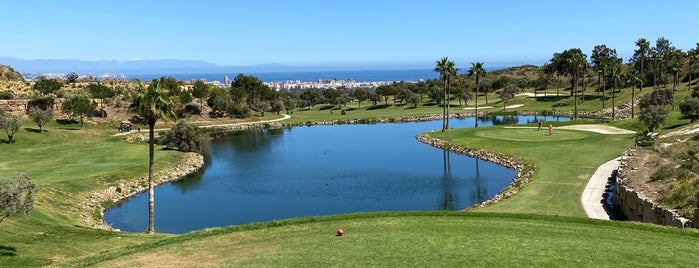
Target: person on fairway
x=550, y=129
x=539, y=129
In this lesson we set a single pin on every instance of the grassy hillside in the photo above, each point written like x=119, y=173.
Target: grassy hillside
x=67, y=165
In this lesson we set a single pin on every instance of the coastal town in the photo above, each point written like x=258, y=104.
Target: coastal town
x=287, y=85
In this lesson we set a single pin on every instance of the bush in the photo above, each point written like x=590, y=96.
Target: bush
x=239, y=111
x=182, y=137
x=6, y=95
x=663, y=173
x=189, y=110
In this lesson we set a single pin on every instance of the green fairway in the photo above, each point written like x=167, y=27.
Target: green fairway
x=564, y=163
x=529, y=134
x=434, y=239
x=68, y=165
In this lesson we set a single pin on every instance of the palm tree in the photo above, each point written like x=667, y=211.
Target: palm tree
x=634, y=77
x=446, y=70
x=152, y=103
x=577, y=63
x=615, y=75
x=641, y=54
x=477, y=70
x=692, y=57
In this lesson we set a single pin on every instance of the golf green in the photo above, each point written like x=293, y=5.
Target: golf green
x=530, y=134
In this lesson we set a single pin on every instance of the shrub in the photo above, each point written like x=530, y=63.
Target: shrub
x=6, y=95
x=239, y=111
x=182, y=137
x=663, y=173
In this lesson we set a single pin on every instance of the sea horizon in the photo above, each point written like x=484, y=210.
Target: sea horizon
x=396, y=75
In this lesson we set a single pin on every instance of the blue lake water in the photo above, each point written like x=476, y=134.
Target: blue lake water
x=263, y=175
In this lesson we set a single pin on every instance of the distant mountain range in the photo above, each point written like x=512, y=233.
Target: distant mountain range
x=133, y=66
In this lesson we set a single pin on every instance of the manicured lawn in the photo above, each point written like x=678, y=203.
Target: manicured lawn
x=67, y=165
x=564, y=163
x=422, y=239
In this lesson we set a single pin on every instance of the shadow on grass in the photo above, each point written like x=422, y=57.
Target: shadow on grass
x=66, y=121
x=7, y=251
x=380, y=106
x=676, y=125
x=33, y=130
x=326, y=107
x=551, y=98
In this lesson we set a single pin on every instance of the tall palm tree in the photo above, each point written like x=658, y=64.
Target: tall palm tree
x=577, y=62
x=641, y=54
x=152, y=103
x=634, y=77
x=615, y=76
x=446, y=69
x=692, y=57
x=477, y=70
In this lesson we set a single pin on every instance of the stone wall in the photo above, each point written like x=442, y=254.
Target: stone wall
x=636, y=207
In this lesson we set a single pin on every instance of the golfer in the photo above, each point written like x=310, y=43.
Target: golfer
x=550, y=129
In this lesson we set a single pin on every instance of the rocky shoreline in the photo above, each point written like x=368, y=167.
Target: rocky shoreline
x=92, y=211
x=523, y=171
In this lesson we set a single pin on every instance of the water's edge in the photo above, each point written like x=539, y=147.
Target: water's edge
x=93, y=212
x=523, y=171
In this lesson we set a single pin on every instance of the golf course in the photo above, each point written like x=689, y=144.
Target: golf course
x=541, y=222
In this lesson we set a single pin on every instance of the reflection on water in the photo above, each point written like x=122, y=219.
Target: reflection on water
x=263, y=175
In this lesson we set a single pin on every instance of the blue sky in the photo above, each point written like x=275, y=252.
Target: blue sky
x=339, y=34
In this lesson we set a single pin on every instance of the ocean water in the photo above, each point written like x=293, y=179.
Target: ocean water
x=307, y=76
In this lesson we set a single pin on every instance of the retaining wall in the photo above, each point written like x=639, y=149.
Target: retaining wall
x=636, y=207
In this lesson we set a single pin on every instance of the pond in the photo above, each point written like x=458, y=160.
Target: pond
x=263, y=175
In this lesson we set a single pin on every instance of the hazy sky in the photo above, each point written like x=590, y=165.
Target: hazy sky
x=356, y=33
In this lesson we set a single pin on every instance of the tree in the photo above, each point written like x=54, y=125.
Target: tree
x=182, y=137
x=219, y=101
x=250, y=88
x=331, y=95
x=11, y=124
x=40, y=116
x=692, y=58
x=16, y=195
x=72, y=77
x=477, y=70
x=101, y=92
x=360, y=95
x=574, y=62
x=653, y=116
x=413, y=99
x=508, y=93
x=200, y=91
x=604, y=58
x=690, y=108
x=615, y=75
x=289, y=100
x=447, y=70
x=653, y=112
x=640, y=55
x=634, y=78
x=79, y=106
x=557, y=64
x=310, y=97
x=152, y=103
x=47, y=86
x=663, y=48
